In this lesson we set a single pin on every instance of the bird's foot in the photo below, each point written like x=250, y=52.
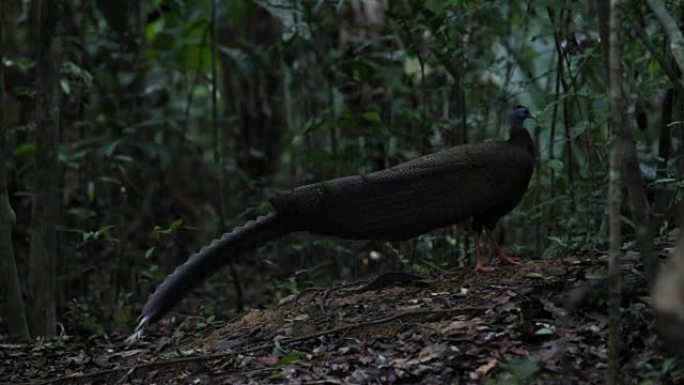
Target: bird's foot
x=480, y=266
x=507, y=259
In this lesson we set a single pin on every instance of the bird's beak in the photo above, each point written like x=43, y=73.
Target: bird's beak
x=532, y=115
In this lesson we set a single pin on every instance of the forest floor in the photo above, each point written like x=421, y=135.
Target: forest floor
x=541, y=322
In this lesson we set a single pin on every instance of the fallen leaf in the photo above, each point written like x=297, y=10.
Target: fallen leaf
x=456, y=326
x=484, y=369
x=268, y=360
x=431, y=352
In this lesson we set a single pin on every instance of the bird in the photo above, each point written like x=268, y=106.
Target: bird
x=482, y=181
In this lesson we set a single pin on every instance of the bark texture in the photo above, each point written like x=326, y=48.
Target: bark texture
x=11, y=289
x=44, y=215
x=615, y=197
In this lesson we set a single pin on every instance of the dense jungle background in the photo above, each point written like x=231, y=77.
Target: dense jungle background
x=134, y=132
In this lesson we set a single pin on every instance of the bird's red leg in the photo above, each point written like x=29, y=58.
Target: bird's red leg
x=499, y=251
x=480, y=266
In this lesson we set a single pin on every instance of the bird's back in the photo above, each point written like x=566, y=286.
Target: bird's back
x=406, y=200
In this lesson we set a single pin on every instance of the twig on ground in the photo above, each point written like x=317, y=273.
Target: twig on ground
x=292, y=341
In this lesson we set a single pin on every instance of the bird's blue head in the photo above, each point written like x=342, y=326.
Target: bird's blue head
x=518, y=115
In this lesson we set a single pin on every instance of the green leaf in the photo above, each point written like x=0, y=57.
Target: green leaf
x=76, y=231
x=122, y=317
x=163, y=41
x=28, y=148
x=523, y=368
x=109, y=149
x=22, y=63
x=90, y=191
x=544, y=331
x=558, y=241
x=102, y=231
x=66, y=88
x=126, y=78
x=71, y=71
x=149, y=252
x=80, y=212
x=109, y=179
x=372, y=116
x=556, y=165
x=436, y=6
x=175, y=225
x=289, y=358
x=185, y=352
x=663, y=181
x=653, y=67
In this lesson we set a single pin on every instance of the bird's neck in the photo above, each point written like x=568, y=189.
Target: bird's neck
x=521, y=137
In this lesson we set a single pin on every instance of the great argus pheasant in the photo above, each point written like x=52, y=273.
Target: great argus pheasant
x=480, y=181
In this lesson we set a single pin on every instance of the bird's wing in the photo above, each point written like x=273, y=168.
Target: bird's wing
x=397, y=203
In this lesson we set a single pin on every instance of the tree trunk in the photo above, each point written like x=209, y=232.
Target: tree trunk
x=637, y=200
x=660, y=194
x=676, y=45
x=11, y=289
x=8, y=9
x=672, y=31
x=125, y=18
x=602, y=10
x=614, y=196
x=638, y=205
x=667, y=297
x=44, y=216
x=255, y=97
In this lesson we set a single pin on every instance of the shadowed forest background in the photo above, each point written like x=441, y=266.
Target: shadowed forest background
x=149, y=131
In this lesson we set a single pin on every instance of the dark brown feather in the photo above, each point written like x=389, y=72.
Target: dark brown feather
x=412, y=198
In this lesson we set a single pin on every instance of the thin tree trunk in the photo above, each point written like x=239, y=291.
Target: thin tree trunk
x=218, y=158
x=125, y=19
x=11, y=289
x=44, y=214
x=663, y=59
x=676, y=45
x=671, y=29
x=660, y=199
x=638, y=203
x=681, y=223
x=614, y=197
x=255, y=98
x=602, y=11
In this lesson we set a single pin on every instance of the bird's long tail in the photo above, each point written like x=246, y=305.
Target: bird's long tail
x=206, y=262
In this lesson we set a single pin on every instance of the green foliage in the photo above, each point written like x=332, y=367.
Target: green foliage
x=84, y=315
x=667, y=371
x=71, y=73
x=518, y=371
x=160, y=232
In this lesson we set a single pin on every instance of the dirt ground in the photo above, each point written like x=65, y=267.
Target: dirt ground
x=541, y=322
